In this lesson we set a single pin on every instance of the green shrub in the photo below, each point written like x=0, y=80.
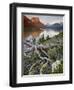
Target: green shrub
x=52, y=54
x=59, y=68
x=46, y=69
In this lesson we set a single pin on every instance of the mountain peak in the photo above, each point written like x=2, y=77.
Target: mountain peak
x=34, y=22
x=35, y=19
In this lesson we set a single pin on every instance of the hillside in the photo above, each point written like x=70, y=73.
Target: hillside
x=44, y=56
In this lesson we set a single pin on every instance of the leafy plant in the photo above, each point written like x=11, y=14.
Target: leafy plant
x=59, y=68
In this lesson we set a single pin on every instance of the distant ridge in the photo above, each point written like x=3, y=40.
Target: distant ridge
x=55, y=26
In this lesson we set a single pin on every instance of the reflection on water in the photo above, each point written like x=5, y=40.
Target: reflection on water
x=34, y=32
x=38, y=32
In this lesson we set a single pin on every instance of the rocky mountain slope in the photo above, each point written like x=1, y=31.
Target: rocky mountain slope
x=34, y=22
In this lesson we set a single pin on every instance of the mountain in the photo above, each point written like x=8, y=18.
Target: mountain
x=27, y=22
x=55, y=26
x=34, y=22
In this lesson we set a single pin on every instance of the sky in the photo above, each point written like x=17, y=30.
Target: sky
x=47, y=19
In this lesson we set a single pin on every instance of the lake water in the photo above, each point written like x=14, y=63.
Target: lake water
x=37, y=33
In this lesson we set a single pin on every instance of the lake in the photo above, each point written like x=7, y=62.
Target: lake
x=37, y=33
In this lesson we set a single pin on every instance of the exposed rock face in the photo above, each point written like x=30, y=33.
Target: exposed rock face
x=34, y=22
x=27, y=22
